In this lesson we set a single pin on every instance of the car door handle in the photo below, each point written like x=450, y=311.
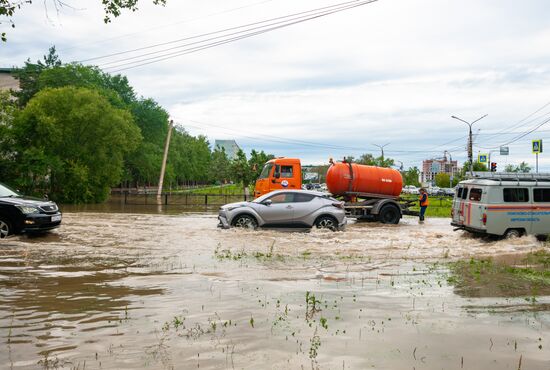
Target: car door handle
x=288, y=207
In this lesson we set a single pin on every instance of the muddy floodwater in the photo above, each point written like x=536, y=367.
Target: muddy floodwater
x=171, y=291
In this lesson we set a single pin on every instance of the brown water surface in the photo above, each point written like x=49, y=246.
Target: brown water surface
x=170, y=290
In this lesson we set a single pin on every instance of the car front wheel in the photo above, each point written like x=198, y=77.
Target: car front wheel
x=245, y=222
x=5, y=229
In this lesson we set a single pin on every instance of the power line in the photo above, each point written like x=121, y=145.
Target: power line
x=214, y=32
x=224, y=39
x=169, y=25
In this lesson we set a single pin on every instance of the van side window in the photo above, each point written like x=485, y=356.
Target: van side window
x=515, y=194
x=541, y=195
x=286, y=171
x=459, y=193
x=475, y=194
x=465, y=193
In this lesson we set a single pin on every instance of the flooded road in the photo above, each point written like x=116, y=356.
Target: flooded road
x=170, y=291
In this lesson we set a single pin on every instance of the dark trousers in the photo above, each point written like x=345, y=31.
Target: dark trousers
x=422, y=212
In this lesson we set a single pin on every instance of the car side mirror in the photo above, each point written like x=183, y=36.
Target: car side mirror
x=267, y=202
x=277, y=175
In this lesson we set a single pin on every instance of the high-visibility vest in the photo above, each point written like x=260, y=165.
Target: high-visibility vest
x=424, y=203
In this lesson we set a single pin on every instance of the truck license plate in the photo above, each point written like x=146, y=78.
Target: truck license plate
x=56, y=218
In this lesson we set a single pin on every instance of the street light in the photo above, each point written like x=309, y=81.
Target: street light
x=381, y=148
x=451, y=161
x=470, y=141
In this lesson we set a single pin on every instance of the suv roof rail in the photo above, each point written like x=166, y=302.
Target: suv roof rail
x=517, y=176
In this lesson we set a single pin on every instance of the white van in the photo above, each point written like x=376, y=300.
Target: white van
x=503, y=205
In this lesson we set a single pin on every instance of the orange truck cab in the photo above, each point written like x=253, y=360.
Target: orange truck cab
x=279, y=173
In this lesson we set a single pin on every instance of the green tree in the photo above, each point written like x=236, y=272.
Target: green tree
x=71, y=142
x=256, y=163
x=28, y=75
x=220, y=166
x=8, y=110
x=112, y=8
x=370, y=160
x=240, y=169
x=411, y=176
x=523, y=167
x=443, y=180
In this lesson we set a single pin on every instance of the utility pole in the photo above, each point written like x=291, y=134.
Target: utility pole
x=163, y=167
x=470, y=141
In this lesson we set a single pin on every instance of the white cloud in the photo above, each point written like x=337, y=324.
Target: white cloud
x=393, y=71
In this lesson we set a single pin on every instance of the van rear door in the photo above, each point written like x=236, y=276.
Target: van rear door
x=541, y=211
x=475, y=208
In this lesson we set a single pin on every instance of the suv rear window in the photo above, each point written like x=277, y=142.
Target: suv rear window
x=515, y=195
x=303, y=198
x=541, y=195
x=475, y=194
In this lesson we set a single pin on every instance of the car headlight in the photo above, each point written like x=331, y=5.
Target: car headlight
x=27, y=210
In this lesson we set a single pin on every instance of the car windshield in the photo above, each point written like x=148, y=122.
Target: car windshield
x=7, y=192
x=266, y=171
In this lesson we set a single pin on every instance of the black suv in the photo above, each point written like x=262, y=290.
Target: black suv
x=20, y=214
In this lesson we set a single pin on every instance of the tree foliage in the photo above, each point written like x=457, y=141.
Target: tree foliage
x=370, y=160
x=523, y=167
x=71, y=142
x=411, y=176
x=443, y=180
x=112, y=9
x=74, y=131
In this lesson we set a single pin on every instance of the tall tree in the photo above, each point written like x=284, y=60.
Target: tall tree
x=370, y=160
x=256, y=163
x=72, y=141
x=220, y=166
x=29, y=74
x=443, y=180
x=411, y=176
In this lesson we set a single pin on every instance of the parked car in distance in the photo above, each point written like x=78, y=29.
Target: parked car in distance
x=285, y=208
x=20, y=214
x=410, y=189
x=450, y=192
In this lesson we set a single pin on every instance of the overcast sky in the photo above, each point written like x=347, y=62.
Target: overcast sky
x=393, y=71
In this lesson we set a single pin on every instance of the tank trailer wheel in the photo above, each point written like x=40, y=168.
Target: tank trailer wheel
x=389, y=214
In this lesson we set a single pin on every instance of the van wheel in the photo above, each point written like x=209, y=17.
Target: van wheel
x=389, y=215
x=513, y=234
x=245, y=222
x=5, y=229
x=326, y=222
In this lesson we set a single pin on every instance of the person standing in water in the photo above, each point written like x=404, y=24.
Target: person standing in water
x=424, y=203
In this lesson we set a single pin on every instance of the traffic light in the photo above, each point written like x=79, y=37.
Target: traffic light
x=493, y=166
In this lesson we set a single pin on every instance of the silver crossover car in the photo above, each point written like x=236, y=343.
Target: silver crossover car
x=285, y=208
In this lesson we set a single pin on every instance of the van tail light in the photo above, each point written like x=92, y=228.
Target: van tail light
x=484, y=218
x=338, y=205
